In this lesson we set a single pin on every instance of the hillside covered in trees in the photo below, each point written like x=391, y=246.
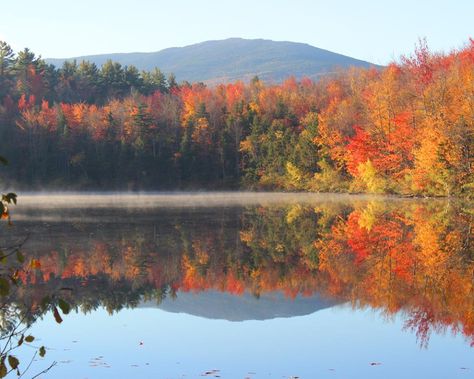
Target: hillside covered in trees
x=405, y=129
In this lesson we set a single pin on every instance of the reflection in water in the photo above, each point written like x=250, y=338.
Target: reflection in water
x=221, y=305
x=414, y=258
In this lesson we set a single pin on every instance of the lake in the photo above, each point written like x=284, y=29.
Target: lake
x=244, y=285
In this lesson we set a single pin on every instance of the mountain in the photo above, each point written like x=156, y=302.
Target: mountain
x=225, y=306
x=233, y=59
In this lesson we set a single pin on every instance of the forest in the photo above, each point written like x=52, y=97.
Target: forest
x=404, y=129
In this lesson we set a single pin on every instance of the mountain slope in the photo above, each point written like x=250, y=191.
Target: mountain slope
x=233, y=59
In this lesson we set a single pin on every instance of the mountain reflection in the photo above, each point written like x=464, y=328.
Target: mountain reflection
x=415, y=258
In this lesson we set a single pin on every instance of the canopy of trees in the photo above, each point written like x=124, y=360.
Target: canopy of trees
x=405, y=129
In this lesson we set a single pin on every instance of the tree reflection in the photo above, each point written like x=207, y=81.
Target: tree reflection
x=410, y=257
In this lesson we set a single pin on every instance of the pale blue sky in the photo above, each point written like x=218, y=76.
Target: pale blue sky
x=377, y=31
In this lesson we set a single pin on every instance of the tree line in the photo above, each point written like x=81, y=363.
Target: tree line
x=404, y=129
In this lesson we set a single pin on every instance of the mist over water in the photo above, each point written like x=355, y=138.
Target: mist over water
x=179, y=199
x=46, y=206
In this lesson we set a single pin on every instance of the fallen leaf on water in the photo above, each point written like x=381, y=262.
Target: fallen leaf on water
x=211, y=372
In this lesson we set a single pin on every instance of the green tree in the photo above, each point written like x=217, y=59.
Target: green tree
x=113, y=80
x=153, y=81
x=7, y=58
x=25, y=67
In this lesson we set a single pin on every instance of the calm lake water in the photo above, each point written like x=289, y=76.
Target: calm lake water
x=248, y=285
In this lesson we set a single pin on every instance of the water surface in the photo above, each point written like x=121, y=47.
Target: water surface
x=248, y=285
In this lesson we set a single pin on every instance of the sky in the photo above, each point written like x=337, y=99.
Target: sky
x=376, y=31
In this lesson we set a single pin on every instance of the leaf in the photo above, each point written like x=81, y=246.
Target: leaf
x=4, y=287
x=19, y=256
x=13, y=362
x=3, y=160
x=65, y=307
x=3, y=370
x=9, y=198
x=20, y=341
x=29, y=338
x=42, y=351
x=57, y=316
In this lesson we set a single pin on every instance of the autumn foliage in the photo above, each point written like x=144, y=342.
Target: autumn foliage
x=405, y=129
x=399, y=257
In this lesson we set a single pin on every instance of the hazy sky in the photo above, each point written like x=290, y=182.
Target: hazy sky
x=376, y=31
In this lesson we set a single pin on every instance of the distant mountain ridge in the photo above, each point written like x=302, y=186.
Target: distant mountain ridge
x=233, y=59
